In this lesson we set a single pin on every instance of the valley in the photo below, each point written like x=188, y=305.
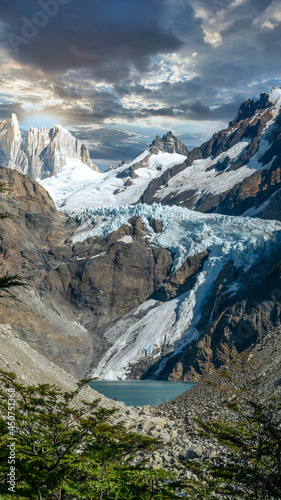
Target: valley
x=122, y=283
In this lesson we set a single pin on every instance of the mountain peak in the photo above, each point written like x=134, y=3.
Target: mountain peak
x=168, y=144
x=43, y=153
x=11, y=126
x=250, y=107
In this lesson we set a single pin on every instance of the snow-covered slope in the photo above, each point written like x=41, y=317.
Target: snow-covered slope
x=76, y=187
x=249, y=145
x=156, y=325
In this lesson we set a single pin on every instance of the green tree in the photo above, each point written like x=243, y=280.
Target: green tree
x=249, y=433
x=70, y=449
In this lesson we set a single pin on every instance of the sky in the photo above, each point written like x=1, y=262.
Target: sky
x=118, y=72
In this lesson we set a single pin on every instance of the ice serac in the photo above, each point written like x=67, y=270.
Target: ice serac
x=44, y=152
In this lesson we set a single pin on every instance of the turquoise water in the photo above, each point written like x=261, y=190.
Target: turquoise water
x=140, y=392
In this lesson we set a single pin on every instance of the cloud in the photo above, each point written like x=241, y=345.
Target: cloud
x=125, y=65
x=108, y=38
x=270, y=18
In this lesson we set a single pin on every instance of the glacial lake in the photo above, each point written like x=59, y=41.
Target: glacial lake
x=140, y=392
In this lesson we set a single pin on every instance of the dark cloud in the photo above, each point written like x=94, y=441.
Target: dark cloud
x=108, y=37
x=7, y=109
x=111, y=144
x=111, y=62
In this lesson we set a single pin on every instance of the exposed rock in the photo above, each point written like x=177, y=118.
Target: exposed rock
x=73, y=292
x=253, y=191
x=168, y=144
x=182, y=280
x=11, y=149
x=43, y=153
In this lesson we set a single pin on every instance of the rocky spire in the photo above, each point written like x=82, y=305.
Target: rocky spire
x=44, y=152
x=168, y=144
x=11, y=150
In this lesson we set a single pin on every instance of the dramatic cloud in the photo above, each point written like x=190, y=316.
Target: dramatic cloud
x=121, y=71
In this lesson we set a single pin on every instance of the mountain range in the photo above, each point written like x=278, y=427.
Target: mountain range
x=165, y=267
x=43, y=153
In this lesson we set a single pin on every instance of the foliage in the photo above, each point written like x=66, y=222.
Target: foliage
x=69, y=450
x=9, y=281
x=249, y=464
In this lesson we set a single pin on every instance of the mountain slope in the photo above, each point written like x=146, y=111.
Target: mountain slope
x=75, y=186
x=236, y=172
x=136, y=291
x=43, y=153
x=215, y=259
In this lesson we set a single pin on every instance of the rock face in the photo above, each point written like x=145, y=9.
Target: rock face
x=236, y=172
x=12, y=154
x=73, y=291
x=168, y=144
x=43, y=153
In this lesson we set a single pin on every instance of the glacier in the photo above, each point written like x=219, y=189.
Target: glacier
x=241, y=240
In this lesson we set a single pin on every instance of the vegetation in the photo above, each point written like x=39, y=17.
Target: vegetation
x=65, y=450
x=9, y=281
x=249, y=433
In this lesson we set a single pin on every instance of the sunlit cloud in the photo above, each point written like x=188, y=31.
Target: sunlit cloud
x=139, y=69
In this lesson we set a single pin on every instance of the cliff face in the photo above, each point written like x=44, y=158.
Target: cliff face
x=43, y=153
x=12, y=154
x=73, y=291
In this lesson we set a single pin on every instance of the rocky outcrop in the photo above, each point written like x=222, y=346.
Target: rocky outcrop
x=43, y=153
x=168, y=144
x=106, y=278
x=12, y=154
x=231, y=321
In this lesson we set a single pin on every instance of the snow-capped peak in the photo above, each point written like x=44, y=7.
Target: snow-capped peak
x=62, y=129
x=275, y=95
x=275, y=98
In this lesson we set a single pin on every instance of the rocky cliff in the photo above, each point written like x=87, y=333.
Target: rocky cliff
x=43, y=153
x=73, y=290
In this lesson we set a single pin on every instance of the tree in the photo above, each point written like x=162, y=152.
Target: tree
x=70, y=449
x=249, y=433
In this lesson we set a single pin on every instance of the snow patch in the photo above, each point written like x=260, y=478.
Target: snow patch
x=127, y=239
